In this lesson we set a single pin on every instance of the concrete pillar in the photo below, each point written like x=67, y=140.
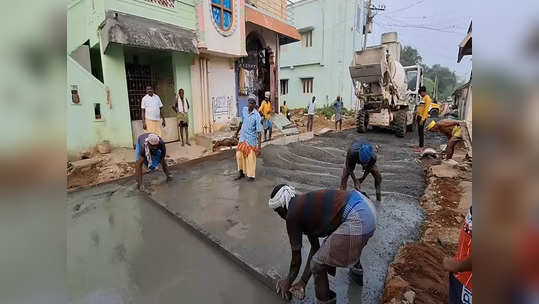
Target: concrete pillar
x=181, y=67
x=119, y=124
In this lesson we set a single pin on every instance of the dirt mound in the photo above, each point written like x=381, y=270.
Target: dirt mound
x=417, y=267
x=100, y=170
x=299, y=118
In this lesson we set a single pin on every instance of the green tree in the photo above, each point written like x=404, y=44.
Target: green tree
x=429, y=85
x=410, y=56
x=447, y=80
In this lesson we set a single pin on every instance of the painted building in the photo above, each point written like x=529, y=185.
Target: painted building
x=238, y=44
x=331, y=31
x=115, y=49
x=463, y=94
x=218, y=51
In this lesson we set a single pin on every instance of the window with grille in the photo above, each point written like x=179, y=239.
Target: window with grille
x=284, y=86
x=222, y=13
x=164, y=3
x=307, y=85
x=307, y=39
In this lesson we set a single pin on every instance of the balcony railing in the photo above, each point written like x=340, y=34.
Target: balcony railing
x=276, y=8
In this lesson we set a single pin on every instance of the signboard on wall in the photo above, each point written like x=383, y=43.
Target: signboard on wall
x=222, y=108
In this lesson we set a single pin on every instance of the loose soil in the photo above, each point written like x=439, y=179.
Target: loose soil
x=417, y=268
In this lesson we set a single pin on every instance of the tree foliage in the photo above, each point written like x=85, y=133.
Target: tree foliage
x=410, y=56
x=447, y=79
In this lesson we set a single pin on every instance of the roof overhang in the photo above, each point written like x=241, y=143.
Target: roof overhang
x=146, y=33
x=287, y=33
x=465, y=47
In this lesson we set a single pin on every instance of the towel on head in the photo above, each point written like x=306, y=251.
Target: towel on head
x=153, y=140
x=282, y=197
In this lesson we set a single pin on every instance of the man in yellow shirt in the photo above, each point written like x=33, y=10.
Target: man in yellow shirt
x=265, y=112
x=452, y=130
x=422, y=114
x=284, y=110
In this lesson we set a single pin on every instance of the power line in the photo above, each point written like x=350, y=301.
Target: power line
x=419, y=26
x=407, y=7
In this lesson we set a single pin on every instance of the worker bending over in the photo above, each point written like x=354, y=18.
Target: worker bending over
x=452, y=130
x=361, y=152
x=151, y=152
x=346, y=218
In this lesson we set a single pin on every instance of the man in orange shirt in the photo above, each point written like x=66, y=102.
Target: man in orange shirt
x=265, y=112
x=422, y=114
x=460, y=268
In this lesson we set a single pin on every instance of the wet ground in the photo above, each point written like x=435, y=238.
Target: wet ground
x=234, y=214
x=123, y=248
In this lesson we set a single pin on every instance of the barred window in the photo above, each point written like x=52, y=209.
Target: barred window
x=307, y=85
x=284, y=86
x=164, y=3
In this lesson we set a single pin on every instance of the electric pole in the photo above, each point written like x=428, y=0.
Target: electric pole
x=368, y=23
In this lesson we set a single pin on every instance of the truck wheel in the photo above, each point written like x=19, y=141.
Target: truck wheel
x=399, y=123
x=362, y=121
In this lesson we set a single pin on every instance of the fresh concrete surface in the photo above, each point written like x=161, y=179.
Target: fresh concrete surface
x=235, y=216
x=122, y=248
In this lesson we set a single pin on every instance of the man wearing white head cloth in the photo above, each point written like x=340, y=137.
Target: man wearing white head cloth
x=151, y=152
x=249, y=140
x=346, y=218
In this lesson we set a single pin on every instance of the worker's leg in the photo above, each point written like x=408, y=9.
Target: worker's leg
x=181, y=134
x=421, y=131
x=377, y=182
x=186, y=130
x=321, y=283
x=340, y=125
x=250, y=165
x=336, y=122
x=240, y=159
x=270, y=131
x=165, y=169
x=450, y=149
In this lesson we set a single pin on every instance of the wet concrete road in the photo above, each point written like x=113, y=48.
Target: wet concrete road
x=235, y=215
x=123, y=248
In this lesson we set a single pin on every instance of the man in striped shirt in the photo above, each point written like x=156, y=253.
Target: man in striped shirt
x=346, y=218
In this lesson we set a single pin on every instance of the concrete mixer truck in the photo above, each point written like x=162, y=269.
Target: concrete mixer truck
x=387, y=91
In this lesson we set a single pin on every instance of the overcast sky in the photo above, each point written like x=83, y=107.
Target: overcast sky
x=434, y=27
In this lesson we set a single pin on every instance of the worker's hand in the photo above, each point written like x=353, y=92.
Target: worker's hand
x=298, y=290
x=450, y=265
x=144, y=125
x=164, y=124
x=140, y=187
x=282, y=289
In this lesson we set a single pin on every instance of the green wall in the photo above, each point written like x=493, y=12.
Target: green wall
x=182, y=79
x=83, y=20
x=336, y=27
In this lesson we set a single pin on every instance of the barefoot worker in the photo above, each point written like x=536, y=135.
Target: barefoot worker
x=151, y=152
x=249, y=142
x=361, y=152
x=346, y=218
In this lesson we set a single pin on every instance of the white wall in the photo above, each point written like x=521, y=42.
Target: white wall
x=222, y=84
x=226, y=43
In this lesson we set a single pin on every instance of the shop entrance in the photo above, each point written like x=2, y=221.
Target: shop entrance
x=150, y=68
x=253, y=71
